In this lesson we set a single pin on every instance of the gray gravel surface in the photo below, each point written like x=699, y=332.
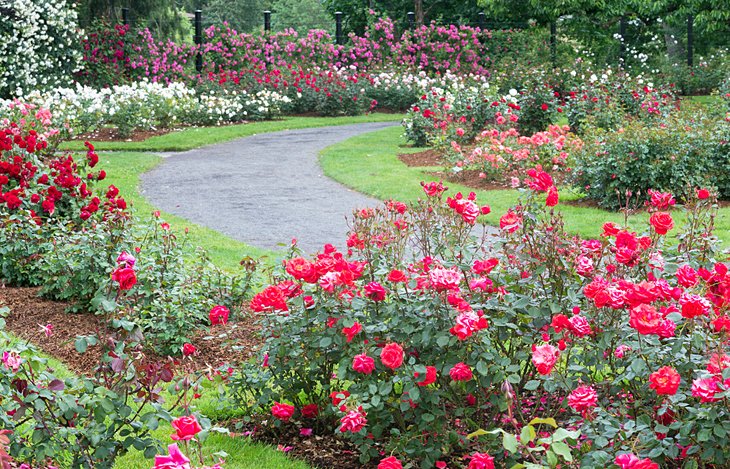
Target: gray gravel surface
x=263, y=190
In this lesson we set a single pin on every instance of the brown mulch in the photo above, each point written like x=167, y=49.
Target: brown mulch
x=28, y=313
x=428, y=157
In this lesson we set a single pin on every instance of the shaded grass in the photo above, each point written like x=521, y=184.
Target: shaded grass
x=195, y=137
x=368, y=163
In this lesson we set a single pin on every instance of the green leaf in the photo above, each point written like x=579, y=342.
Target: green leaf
x=81, y=344
x=561, y=434
x=548, y=421
x=531, y=386
x=527, y=434
x=482, y=432
x=510, y=443
x=325, y=342
x=563, y=450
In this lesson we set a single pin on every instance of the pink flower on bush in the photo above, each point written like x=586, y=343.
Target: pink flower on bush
x=302, y=269
x=126, y=260
x=282, y=411
x=392, y=355
x=397, y=276
x=552, y=197
x=706, y=389
x=174, y=460
x=189, y=349
x=694, y=305
x=374, y=291
x=12, y=361
x=544, y=358
x=703, y=194
x=645, y=319
x=433, y=189
x=445, y=279
x=687, y=276
x=481, y=461
x=391, y=462
x=363, y=364
x=461, y=372
x=584, y=266
x=353, y=421
x=583, y=398
x=218, y=315
x=185, y=427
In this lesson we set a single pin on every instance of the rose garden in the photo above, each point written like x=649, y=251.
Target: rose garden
x=533, y=271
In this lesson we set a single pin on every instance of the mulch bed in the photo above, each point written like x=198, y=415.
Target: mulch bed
x=28, y=313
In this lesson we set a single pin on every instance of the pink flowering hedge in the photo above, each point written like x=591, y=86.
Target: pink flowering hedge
x=422, y=343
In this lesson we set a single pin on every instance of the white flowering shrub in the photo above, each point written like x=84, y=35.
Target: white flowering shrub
x=147, y=106
x=38, y=45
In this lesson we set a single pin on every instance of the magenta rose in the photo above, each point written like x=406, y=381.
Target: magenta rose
x=186, y=428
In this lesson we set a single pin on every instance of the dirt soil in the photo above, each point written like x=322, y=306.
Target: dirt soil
x=29, y=313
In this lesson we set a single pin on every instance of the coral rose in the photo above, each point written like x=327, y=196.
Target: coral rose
x=665, y=381
x=392, y=355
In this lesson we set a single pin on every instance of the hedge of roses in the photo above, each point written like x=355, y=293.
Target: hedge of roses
x=422, y=343
x=61, y=231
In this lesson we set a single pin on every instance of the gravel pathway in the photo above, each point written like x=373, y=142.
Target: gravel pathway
x=263, y=190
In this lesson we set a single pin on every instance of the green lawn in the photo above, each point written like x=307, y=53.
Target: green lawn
x=368, y=163
x=195, y=137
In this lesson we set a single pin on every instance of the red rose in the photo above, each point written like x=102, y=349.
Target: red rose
x=391, y=462
x=461, y=372
x=703, y=194
x=186, y=428
x=363, y=364
x=302, y=269
x=351, y=332
x=353, y=421
x=662, y=222
x=125, y=276
x=310, y=411
x=392, y=355
x=665, y=381
x=282, y=412
x=544, y=107
x=374, y=291
x=188, y=349
x=339, y=396
x=218, y=315
x=396, y=276
x=430, y=376
x=687, y=276
x=705, y=389
x=552, y=197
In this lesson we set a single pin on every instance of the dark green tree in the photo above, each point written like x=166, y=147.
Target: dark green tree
x=162, y=17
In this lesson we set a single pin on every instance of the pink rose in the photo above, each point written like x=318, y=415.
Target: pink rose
x=363, y=364
x=392, y=355
x=218, y=315
x=544, y=358
x=186, y=428
x=583, y=398
x=282, y=412
x=461, y=372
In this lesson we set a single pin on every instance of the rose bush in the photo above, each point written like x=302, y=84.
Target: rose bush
x=469, y=340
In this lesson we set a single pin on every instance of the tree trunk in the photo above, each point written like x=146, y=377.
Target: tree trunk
x=418, y=10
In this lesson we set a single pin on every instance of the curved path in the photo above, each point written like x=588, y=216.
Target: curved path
x=263, y=190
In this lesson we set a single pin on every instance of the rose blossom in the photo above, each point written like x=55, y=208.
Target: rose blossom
x=583, y=398
x=374, y=291
x=125, y=277
x=687, y=276
x=705, y=389
x=186, y=428
x=391, y=462
x=353, y=421
x=282, y=412
x=175, y=459
x=430, y=376
x=665, y=381
x=188, y=349
x=363, y=364
x=218, y=315
x=661, y=222
x=461, y=372
x=544, y=358
x=392, y=355
x=510, y=222
x=481, y=461
x=310, y=411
